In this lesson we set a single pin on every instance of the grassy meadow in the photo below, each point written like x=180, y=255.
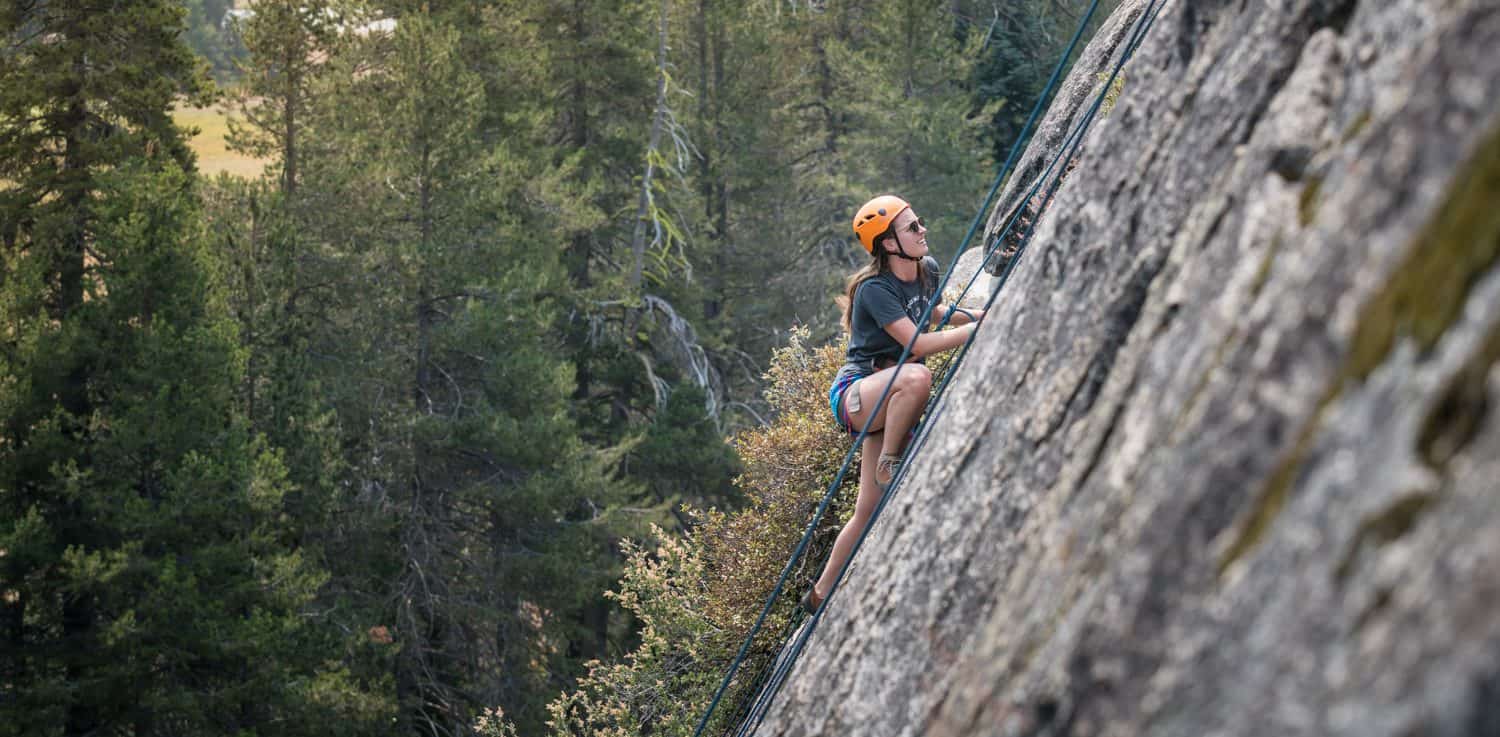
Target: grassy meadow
x=214, y=155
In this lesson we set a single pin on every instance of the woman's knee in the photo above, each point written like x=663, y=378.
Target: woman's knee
x=914, y=378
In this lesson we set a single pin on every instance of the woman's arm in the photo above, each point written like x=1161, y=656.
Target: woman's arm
x=959, y=315
x=928, y=343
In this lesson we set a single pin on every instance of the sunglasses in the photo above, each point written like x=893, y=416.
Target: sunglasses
x=915, y=225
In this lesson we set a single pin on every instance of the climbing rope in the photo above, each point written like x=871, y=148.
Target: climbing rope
x=786, y=659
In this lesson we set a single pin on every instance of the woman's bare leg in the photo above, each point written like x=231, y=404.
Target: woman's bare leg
x=907, y=400
x=864, y=507
x=902, y=405
x=893, y=420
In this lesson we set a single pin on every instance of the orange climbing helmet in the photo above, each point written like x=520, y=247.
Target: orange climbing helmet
x=875, y=216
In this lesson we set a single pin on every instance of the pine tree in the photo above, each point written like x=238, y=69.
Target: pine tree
x=275, y=296
x=1018, y=51
x=598, y=83
x=145, y=586
x=287, y=283
x=53, y=147
x=289, y=43
x=849, y=101
x=452, y=383
x=637, y=334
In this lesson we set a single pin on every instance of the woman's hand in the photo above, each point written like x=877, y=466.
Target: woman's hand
x=959, y=316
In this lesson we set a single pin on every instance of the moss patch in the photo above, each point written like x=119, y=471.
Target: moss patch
x=1112, y=96
x=1423, y=297
x=1429, y=288
x=1359, y=125
x=1307, y=202
x=1272, y=498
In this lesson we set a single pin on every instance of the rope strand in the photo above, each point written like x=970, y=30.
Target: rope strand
x=767, y=692
x=1069, y=149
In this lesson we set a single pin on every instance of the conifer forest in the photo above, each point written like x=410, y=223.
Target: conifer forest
x=490, y=394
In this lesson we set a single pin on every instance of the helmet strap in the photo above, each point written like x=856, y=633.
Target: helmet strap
x=900, y=251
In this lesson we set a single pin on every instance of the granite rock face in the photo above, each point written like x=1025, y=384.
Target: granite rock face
x=1225, y=458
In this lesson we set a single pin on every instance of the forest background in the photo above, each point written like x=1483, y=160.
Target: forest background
x=487, y=395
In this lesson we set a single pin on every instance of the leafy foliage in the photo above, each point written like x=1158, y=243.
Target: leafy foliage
x=1021, y=44
x=788, y=467
x=658, y=685
x=682, y=457
x=147, y=584
x=697, y=597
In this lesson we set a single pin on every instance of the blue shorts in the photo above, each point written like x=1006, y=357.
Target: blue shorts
x=836, y=399
x=842, y=382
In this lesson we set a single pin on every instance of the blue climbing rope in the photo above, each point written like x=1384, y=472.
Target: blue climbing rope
x=768, y=690
x=1066, y=153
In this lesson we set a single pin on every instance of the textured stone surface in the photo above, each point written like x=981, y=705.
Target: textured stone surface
x=970, y=286
x=1225, y=458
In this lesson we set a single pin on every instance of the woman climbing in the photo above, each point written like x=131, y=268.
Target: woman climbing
x=882, y=303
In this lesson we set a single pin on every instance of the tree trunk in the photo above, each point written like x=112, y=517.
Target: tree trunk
x=908, y=91
x=78, y=607
x=13, y=620
x=249, y=321
x=710, y=182
x=424, y=314
x=581, y=245
x=658, y=123
x=289, y=122
x=429, y=685
x=721, y=180
x=825, y=91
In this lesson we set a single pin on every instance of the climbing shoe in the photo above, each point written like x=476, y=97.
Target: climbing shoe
x=886, y=469
x=810, y=600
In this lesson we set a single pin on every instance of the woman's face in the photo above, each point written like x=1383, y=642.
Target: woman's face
x=911, y=232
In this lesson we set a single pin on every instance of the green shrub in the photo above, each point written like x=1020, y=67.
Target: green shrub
x=787, y=467
x=661, y=686
x=696, y=597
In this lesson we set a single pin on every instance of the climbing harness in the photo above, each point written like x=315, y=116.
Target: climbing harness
x=766, y=689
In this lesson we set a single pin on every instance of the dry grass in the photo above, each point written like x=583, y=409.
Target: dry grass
x=213, y=155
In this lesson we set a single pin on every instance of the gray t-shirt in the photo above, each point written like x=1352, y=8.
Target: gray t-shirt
x=880, y=301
